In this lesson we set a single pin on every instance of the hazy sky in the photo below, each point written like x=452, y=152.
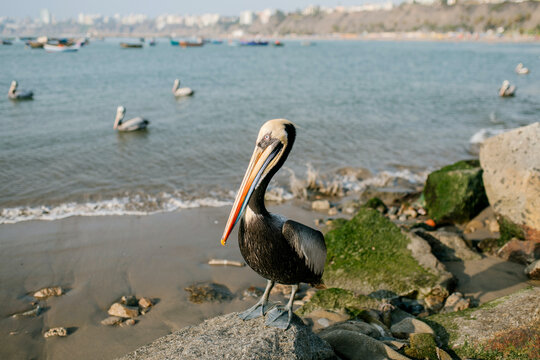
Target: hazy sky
x=68, y=8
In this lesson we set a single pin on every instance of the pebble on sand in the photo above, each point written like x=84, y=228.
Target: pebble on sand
x=226, y=262
x=48, y=292
x=112, y=320
x=58, y=331
x=123, y=311
x=33, y=312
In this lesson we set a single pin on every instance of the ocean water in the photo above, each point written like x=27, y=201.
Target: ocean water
x=395, y=108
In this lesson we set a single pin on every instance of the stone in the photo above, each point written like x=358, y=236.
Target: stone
x=58, y=331
x=455, y=193
x=130, y=322
x=520, y=251
x=435, y=299
x=333, y=211
x=497, y=329
x=48, y=292
x=29, y=313
x=369, y=253
x=456, y=302
x=227, y=336
x=408, y=326
x=448, y=246
x=145, y=303
x=354, y=326
x=356, y=346
x=252, y=292
x=208, y=292
x=489, y=246
x=123, y=311
x=112, y=320
x=533, y=270
x=320, y=205
x=511, y=163
x=129, y=300
x=422, y=346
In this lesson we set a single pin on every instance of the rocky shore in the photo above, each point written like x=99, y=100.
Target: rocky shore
x=390, y=294
x=447, y=271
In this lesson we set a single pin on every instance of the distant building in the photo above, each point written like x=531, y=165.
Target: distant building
x=265, y=15
x=311, y=10
x=246, y=17
x=45, y=16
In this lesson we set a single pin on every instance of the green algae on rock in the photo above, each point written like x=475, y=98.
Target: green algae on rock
x=369, y=253
x=338, y=299
x=455, y=193
x=508, y=327
x=422, y=346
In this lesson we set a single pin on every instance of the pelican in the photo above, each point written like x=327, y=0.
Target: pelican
x=13, y=94
x=280, y=250
x=137, y=123
x=506, y=89
x=521, y=70
x=179, y=92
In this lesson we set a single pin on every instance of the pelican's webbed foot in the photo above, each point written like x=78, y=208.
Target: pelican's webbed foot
x=279, y=317
x=261, y=307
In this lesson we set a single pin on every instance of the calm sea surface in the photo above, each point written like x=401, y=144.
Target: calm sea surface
x=383, y=106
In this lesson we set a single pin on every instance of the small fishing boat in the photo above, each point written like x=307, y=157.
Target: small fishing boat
x=185, y=44
x=54, y=48
x=5, y=42
x=254, y=43
x=130, y=45
x=152, y=42
x=277, y=43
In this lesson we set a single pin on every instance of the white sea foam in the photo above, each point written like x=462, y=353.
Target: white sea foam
x=127, y=205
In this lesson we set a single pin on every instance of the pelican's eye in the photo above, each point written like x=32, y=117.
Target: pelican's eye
x=265, y=141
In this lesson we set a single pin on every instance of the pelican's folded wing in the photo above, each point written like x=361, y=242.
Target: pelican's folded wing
x=308, y=243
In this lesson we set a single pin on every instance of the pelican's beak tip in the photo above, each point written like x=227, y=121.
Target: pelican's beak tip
x=223, y=241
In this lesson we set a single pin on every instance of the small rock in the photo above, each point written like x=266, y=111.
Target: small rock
x=393, y=210
x=145, y=303
x=357, y=346
x=30, y=313
x=129, y=300
x=251, y=292
x=204, y=292
x=410, y=212
x=472, y=226
x=332, y=211
x=422, y=211
x=309, y=295
x=435, y=299
x=130, y=322
x=320, y=205
x=533, y=270
x=489, y=246
x=392, y=217
x=422, y=346
x=493, y=226
x=323, y=322
x=402, y=217
x=123, y=311
x=112, y=320
x=48, y=292
x=58, y=331
x=409, y=326
x=520, y=251
x=456, y=302
x=354, y=326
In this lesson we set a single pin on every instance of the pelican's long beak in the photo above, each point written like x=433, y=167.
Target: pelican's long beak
x=259, y=162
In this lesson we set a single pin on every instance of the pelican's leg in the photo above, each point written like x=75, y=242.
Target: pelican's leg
x=280, y=316
x=260, y=308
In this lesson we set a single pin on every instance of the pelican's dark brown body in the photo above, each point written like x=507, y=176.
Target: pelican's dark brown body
x=268, y=252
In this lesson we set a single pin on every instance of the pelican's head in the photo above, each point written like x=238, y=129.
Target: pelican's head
x=120, y=112
x=13, y=86
x=272, y=147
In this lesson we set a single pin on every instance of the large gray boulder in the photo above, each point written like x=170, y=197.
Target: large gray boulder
x=228, y=337
x=511, y=164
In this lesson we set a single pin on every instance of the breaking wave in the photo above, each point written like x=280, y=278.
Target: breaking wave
x=343, y=182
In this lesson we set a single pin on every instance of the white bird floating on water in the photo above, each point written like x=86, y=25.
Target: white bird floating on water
x=13, y=94
x=180, y=92
x=137, y=123
x=506, y=89
x=521, y=70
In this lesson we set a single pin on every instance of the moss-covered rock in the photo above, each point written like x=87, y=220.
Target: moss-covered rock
x=509, y=230
x=422, y=346
x=376, y=204
x=456, y=192
x=505, y=328
x=340, y=300
x=369, y=253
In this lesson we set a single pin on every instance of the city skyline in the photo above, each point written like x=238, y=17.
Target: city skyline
x=63, y=9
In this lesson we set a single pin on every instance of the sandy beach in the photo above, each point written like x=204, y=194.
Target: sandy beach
x=99, y=259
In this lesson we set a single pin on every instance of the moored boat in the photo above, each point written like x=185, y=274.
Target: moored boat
x=130, y=45
x=61, y=47
x=254, y=43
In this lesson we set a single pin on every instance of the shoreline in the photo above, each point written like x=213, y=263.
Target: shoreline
x=99, y=259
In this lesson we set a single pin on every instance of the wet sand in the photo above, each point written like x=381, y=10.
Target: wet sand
x=99, y=259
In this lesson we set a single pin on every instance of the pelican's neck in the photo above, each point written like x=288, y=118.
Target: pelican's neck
x=12, y=89
x=176, y=85
x=118, y=120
